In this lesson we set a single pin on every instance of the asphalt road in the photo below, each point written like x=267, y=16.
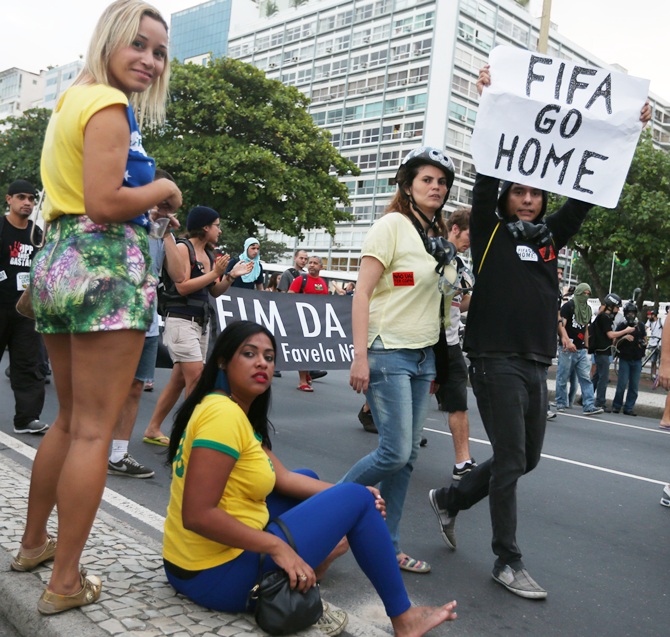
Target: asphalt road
x=590, y=523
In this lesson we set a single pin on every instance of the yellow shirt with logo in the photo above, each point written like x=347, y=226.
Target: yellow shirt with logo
x=218, y=423
x=62, y=163
x=405, y=304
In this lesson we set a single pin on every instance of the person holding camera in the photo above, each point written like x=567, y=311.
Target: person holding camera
x=631, y=348
x=396, y=322
x=510, y=339
x=603, y=335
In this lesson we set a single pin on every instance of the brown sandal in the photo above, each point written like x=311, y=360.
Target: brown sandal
x=52, y=603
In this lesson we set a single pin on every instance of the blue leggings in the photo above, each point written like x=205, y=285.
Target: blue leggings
x=317, y=525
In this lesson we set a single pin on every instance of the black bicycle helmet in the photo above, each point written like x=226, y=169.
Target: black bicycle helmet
x=426, y=155
x=612, y=300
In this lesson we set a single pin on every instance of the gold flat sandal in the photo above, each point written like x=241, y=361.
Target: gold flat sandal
x=52, y=603
x=23, y=563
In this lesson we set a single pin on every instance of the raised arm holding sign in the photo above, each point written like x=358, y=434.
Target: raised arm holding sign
x=557, y=125
x=510, y=336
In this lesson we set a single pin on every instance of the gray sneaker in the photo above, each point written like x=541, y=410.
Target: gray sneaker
x=518, y=582
x=128, y=467
x=447, y=522
x=665, y=498
x=33, y=427
x=551, y=414
x=593, y=411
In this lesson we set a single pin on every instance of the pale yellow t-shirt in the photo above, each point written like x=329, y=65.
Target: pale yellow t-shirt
x=218, y=423
x=405, y=304
x=62, y=163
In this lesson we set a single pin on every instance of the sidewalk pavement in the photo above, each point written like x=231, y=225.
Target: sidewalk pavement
x=136, y=599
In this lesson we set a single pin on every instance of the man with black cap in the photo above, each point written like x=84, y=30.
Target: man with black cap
x=510, y=339
x=17, y=333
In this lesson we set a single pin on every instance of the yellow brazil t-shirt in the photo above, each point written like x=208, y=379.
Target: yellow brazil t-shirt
x=405, y=304
x=218, y=423
x=62, y=163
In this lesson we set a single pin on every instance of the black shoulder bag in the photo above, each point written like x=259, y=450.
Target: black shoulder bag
x=281, y=610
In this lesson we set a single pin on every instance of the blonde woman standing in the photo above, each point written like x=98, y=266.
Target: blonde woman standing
x=93, y=291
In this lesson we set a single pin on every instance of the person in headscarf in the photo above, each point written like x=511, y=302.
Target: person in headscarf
x=252, y=254
x=575, y=320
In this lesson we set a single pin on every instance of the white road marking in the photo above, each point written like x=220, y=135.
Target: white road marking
x=122, y=503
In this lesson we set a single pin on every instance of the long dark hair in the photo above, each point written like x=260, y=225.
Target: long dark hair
x=229, y=341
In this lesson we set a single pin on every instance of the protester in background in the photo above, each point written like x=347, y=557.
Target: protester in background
x=655, y=331
x=452, y=372
x=162, y=249
x=273, y=282
x=573, y=356
x=664, y=381
x=395, y=323
x=604, y=335
x=255, y=277
x=228, y=487
x=17, y=332
x=188, y=313
x=92, y=289
x=515, y=255
x=347, y=290
x=299, y=263
x=631, y=349
x=310, y=283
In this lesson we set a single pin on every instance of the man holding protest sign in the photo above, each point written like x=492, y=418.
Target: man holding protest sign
x=514, y=250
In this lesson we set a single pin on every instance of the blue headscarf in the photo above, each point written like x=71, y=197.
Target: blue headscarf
x=256, y=271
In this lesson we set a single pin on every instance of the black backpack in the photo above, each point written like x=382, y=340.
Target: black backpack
x=167, y=289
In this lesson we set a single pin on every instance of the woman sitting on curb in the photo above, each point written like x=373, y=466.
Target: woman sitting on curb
x=227, y=486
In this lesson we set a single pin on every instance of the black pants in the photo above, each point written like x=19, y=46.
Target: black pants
x=512, y=400
x=18, y=335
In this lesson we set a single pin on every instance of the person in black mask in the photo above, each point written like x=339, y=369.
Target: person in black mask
x=631, y=348
x=510, y=339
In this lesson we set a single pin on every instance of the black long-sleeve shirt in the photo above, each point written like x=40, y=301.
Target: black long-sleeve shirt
x=513, y=311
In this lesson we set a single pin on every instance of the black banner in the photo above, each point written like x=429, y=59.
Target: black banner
x=313, y=331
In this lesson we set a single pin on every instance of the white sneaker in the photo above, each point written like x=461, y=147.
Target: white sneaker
x=665, y=498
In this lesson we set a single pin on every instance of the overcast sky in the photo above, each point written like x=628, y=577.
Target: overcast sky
x=41, y=33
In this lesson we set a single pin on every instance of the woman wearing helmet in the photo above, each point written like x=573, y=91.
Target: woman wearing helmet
x=395, y=319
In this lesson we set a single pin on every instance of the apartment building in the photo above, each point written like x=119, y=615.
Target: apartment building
x=19, y=91
x=385, y=76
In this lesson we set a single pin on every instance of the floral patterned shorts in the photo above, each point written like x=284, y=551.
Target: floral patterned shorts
x=92, y=277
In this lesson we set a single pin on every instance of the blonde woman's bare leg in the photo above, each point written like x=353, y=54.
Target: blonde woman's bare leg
x=102, y=369
x=53, y=448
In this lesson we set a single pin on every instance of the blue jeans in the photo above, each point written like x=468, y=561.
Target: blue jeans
x=569, y=362
x=629, y=376
x=398, y=395
x=512, y=400
x=601, y=378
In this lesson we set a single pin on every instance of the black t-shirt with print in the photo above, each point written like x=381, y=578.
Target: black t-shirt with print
x=16, y=257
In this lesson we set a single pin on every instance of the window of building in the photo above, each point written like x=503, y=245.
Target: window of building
x=400, y=52
x=51, y=81
x=413, y=129
x=416, y=102
x=373, y=109
x=390, y=158
x=351, y=138
x=465, y=87
x=370, y=135
x=364, y=12
x=424, y=20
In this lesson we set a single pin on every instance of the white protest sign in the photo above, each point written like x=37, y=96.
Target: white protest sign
x=557, y=125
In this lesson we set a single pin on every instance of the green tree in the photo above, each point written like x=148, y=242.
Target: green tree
x=638, y=229
x=21, y=147
x=247, y=147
